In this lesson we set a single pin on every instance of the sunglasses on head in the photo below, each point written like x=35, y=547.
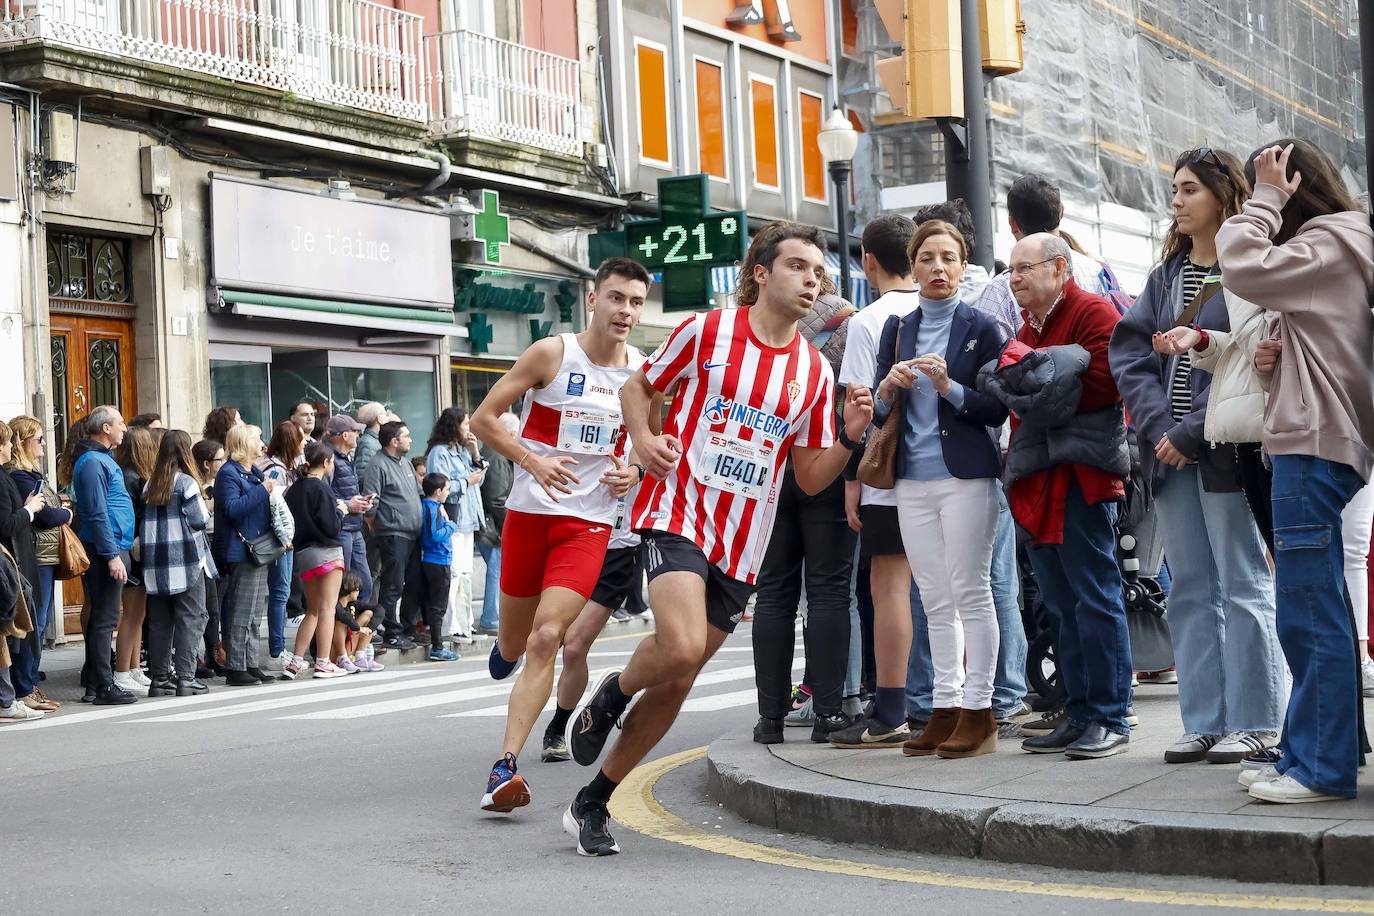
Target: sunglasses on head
x=1203, y=154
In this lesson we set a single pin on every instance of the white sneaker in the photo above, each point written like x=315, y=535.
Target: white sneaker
x=293, y=622
x=1285, y=790
x=463, y=639
x=803, y=715
x=1191, y=748
x=21, y=713
x=140, y=678
x=1236, y=746
x=1248, y=778
x=1367, y=677
x=124, y=680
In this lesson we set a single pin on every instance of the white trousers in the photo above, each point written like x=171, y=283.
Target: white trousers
x=948, y=529
x=458, y=619
x=1356, y=522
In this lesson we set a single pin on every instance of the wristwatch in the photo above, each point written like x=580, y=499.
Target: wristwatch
x=850, y=443
x=642, y=473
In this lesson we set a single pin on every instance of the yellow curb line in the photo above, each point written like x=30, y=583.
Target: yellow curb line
x=635, y=807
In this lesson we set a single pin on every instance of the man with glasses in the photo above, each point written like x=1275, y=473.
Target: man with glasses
x=1066, y=473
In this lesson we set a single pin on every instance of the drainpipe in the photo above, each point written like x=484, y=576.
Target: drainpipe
x=34, y=217
x=445, y=170
x=582, y=270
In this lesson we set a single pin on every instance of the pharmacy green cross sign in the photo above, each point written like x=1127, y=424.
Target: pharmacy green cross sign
x=684, y=243
x=491, y=226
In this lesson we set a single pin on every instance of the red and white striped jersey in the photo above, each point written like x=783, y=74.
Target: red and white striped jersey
x=738, y=408
x=577, y=414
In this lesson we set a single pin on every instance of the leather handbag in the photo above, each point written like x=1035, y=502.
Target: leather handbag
x=72, y=560
x=263, y=550
x=878, y=467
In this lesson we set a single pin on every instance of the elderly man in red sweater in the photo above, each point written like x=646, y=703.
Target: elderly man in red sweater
x=1070, y=509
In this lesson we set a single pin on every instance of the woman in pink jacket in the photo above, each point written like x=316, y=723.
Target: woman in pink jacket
x=1303, y=251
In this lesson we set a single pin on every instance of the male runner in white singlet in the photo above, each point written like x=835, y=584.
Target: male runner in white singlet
x=569, y=481
x=748, y=393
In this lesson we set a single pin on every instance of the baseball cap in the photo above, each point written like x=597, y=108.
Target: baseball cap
x=342, y=423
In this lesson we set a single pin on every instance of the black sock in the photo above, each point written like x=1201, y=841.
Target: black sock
x=889, y=706
x=616, y=696
x=560, y=720
x=599, y=789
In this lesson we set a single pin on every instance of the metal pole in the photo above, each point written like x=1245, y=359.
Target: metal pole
x=978, y=185
x=839, y=174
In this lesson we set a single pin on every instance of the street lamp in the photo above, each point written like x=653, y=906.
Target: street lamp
x=838, y=140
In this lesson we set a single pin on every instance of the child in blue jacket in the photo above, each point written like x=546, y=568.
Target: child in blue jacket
x=436, y=553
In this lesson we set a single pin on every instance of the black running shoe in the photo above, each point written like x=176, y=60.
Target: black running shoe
x=825, y=726
x=590, y=822
x=593, y=724
x=555, y=749
x=768, y=731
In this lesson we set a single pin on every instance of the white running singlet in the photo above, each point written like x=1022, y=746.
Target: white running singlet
x=738, y=408
x=577, y=415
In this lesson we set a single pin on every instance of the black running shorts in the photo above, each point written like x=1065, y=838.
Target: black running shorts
x=618, y=575
x=726, y=598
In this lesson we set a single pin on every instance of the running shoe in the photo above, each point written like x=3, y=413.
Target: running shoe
x=593, y=724
x=555, y=749
x=292, y=667
x=801, y=716
x=590, y=823
x=869, y=733
x=498, y=666
x=620, y=615
x=506, y=789
x=443, y=655
x=346, y=664
x=326, y=670
x=1367, y=677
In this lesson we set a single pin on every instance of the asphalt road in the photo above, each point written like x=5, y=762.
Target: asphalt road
x=361, y=794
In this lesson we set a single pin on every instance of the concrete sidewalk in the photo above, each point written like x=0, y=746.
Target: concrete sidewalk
x=1132, y=812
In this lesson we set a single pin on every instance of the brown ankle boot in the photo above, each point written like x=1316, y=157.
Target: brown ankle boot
x=939, y=728
x=975, y=734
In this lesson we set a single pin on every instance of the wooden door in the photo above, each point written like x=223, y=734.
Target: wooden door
x=92, y=364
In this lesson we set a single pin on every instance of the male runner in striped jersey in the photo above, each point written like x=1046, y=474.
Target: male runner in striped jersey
x=748, y=393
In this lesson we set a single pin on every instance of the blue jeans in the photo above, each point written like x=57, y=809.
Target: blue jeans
x=1081, y=586
x=1221, y=610
x=42, y=617
x=278, y=590
x=1320, y=738
x=920, y=674
x=491, y=588
x=1009, y=683
x=355, y=560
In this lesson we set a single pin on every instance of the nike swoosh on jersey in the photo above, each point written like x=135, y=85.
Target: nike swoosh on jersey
x=708, y=366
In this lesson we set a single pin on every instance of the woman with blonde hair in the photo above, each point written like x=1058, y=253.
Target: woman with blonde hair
x=17, y=511
x=242, y=515
x=136, y=455
x=26, y=469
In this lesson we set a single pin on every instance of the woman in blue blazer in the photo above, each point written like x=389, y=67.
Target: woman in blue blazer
x=946, y=469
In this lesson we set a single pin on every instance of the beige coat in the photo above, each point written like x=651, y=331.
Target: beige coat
x=1236, y=399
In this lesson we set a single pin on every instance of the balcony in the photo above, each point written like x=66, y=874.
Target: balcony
x=347, y=53
x=497, y=90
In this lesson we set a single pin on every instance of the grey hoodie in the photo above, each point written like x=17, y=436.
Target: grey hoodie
x=1316, y=288
x=398, y=496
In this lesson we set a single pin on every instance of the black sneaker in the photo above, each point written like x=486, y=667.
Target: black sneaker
x=593, y=724
x=555, y=748
x=589, y=822
x=1046, y=723
x=825, y=726
x=869, y=733
x=1259, y=760
x=768, y=731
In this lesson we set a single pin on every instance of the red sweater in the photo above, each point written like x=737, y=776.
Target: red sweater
x=1037, y=502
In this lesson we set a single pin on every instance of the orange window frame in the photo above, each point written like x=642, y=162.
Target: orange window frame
x=710, y=95
x=763, y=103
x=811, y=113
x=651, y=74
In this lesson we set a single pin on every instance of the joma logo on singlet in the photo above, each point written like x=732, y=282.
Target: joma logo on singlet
x=720, y=409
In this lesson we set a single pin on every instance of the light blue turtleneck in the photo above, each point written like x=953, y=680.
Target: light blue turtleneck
x=924, y=455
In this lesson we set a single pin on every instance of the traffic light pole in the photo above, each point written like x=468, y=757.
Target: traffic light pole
x=968, y=158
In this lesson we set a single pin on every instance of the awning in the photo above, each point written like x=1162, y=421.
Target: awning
x=361, y=315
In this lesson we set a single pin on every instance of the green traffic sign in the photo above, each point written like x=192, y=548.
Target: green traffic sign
x=685, y=242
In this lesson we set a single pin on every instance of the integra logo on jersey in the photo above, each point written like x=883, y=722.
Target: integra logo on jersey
x=720, y=409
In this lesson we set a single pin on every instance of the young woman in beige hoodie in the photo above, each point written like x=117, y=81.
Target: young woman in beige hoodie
x=1302, y=251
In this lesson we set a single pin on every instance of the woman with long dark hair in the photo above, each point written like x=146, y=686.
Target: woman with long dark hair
x=281, y=464
x=136, y=456
x=319, y=554
x=1221, y=604
x=452, y=450
x=219, y=421
x=176, y=560
x=209, y=456
x=1302, y=250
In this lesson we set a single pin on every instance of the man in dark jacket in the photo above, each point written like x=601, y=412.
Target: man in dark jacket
x=1077, y=572
x=342, y=434
x=395, y=515
x=107, y=531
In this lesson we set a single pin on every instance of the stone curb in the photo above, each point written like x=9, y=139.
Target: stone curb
x=765, y=790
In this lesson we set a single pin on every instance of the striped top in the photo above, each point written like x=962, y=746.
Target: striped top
x=1181, y=387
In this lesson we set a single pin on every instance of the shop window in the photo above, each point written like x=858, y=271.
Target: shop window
x=763, y=97
x=244, y=385
x=651, y=65
x=406, y=393
x=88, y=268
x=710, y=86
x=810, y=109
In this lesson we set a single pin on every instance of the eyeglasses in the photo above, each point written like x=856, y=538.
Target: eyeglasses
x=1015, y=269
x=38, y=438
